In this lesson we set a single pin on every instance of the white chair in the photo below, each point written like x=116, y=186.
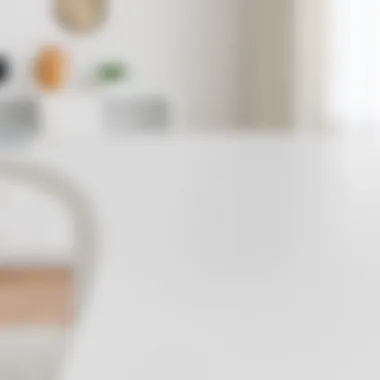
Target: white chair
x=30, y=353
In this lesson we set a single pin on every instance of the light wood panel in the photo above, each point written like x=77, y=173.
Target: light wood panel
x=36, y=297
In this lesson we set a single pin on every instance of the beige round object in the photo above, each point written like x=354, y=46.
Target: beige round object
x=81, y=15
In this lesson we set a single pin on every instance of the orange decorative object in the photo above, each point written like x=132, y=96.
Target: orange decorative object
x=51, y=68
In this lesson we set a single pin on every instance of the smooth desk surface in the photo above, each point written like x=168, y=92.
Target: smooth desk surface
x=228, y=259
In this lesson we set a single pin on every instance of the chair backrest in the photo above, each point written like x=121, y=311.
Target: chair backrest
x=64, y=191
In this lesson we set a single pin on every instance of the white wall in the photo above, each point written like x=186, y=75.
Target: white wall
x=352, y=57
x=188, y=48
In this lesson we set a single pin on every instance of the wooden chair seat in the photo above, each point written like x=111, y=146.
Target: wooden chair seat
x=36, y=297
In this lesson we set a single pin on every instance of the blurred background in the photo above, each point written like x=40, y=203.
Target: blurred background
x=252, y=64
x=227, y=212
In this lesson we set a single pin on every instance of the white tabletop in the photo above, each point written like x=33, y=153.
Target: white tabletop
x=227, y=258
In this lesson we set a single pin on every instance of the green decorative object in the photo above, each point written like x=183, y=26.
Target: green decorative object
x=112, y=72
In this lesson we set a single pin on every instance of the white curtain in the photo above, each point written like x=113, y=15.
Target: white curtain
x=352, y=93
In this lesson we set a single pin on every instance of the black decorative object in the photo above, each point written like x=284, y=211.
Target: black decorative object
x=5, y=69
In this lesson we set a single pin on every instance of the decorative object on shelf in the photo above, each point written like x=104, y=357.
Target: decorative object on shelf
x=5, y=69
x=19, y=119
x=112, y=72
x=138, y=112
x=81, y=15
x=51, y=68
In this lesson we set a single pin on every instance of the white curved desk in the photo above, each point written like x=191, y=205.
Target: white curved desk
x=228, y=259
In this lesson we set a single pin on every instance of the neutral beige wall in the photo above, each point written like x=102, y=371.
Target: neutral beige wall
x=267, y=80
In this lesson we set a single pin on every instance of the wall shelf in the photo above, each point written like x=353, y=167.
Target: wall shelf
x=85, y=115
